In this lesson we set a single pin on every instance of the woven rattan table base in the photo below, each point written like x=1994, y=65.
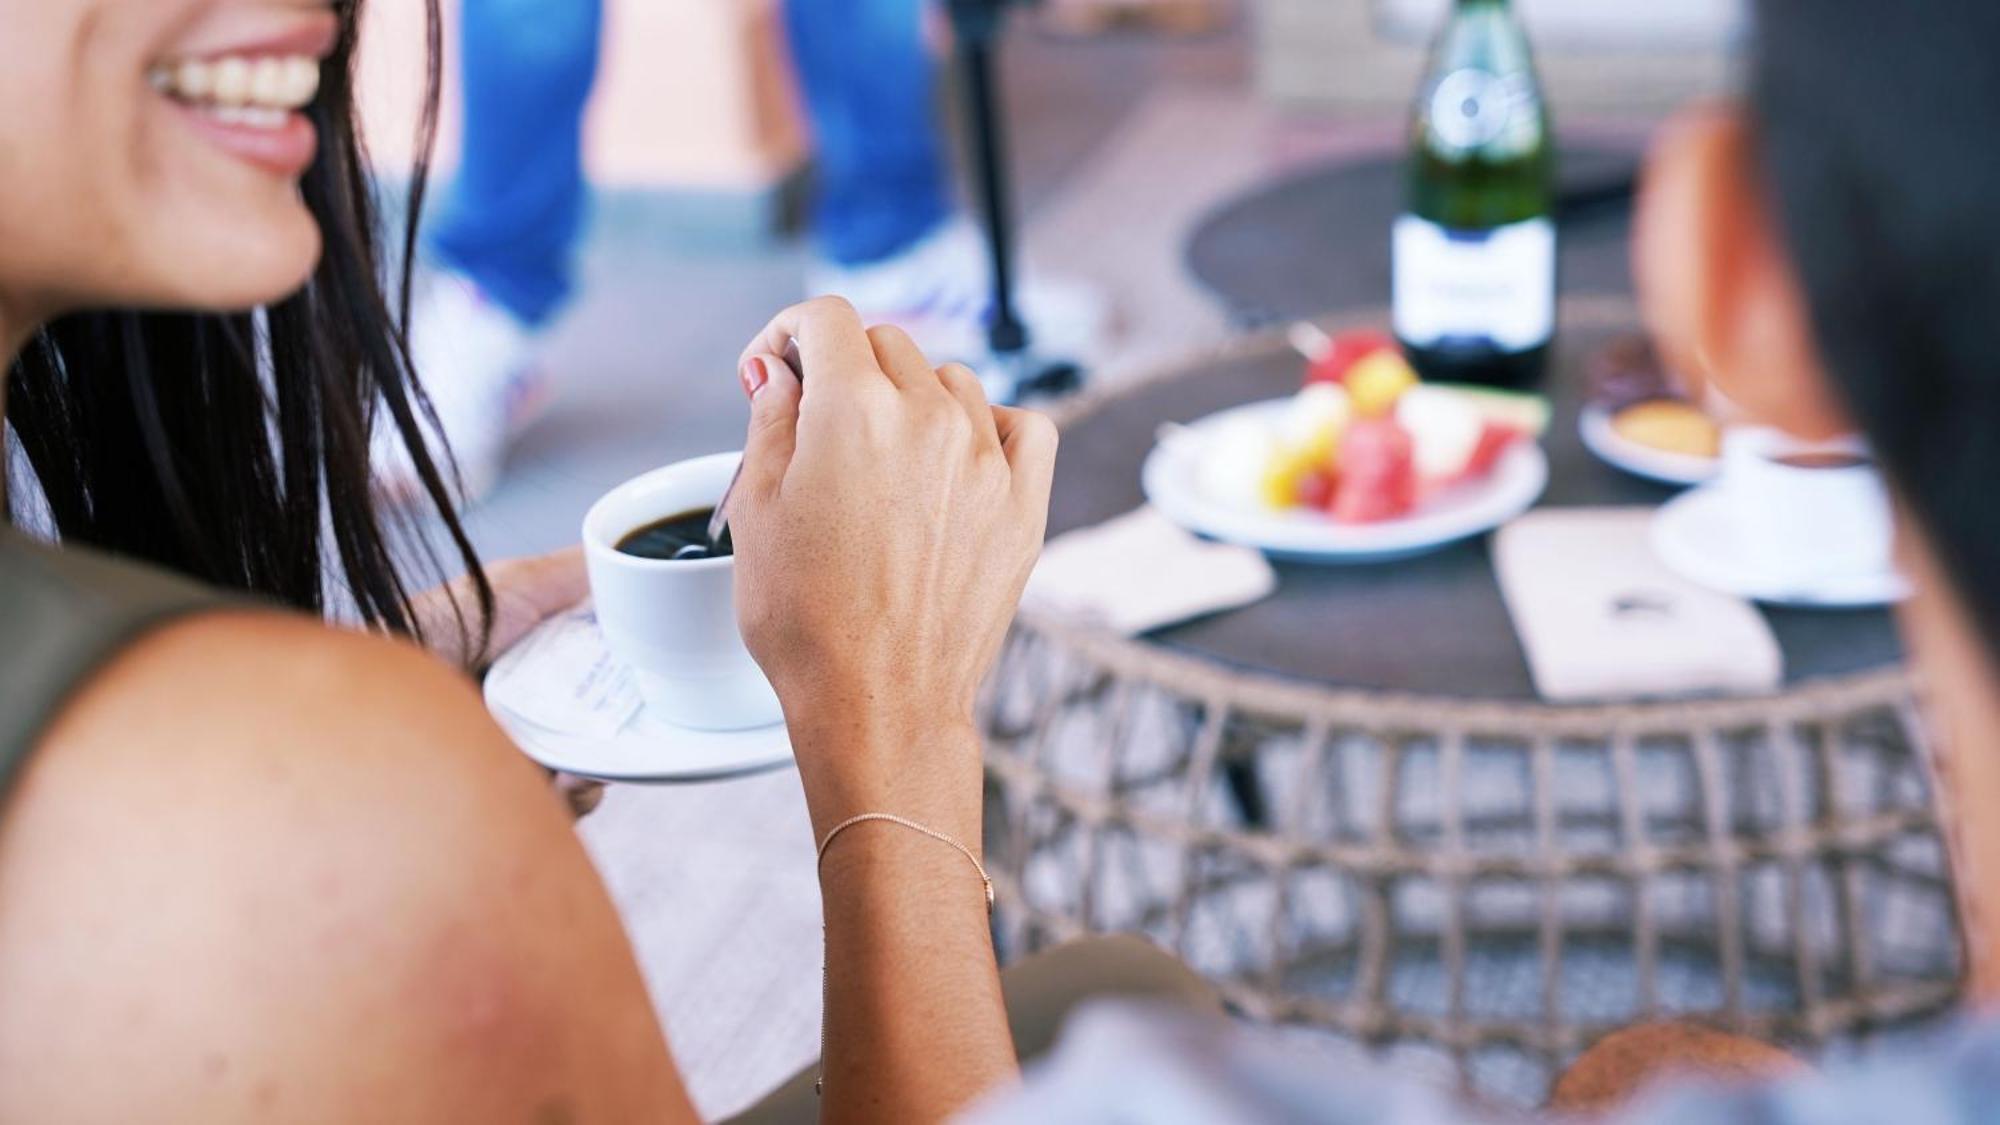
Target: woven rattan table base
x=1483, y=885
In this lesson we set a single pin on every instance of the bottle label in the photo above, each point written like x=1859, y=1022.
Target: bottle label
x=1495, y=286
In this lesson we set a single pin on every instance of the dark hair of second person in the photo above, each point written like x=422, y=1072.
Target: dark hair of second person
x=1875, y=129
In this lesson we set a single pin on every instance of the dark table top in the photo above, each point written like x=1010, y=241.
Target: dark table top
x=1319, y=239
x=1432, y=625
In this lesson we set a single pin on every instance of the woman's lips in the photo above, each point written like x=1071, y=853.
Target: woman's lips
x=299, y=33
x=246, y=93
x=286, y=148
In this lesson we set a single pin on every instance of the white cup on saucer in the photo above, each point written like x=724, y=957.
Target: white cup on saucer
x=674, y=622
x=1806, y=512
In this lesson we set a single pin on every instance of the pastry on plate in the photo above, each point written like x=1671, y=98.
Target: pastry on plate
x=1670, y=426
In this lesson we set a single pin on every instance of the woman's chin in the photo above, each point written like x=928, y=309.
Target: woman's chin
x=265, y=272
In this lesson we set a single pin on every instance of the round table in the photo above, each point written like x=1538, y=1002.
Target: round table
x=1319, y=238
x=1432, y=625
x=1346, y=806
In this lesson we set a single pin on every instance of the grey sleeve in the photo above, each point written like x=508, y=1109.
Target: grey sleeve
x=1122, y=1064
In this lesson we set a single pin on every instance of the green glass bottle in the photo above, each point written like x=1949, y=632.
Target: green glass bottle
x=1474, y=255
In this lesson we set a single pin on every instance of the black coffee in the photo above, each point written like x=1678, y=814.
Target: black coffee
x=684, y=536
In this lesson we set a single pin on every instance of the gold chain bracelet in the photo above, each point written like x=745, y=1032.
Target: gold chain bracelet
x=819, y=1081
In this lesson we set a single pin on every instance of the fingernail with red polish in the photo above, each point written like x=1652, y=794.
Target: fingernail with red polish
x=754, y=376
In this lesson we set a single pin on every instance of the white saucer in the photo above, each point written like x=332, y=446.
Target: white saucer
x=642, y=749
x=1694, y=536
x=1171, y=477
x=1615, y=449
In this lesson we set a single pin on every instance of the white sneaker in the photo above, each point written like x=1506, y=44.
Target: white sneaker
x=940, y=291
x=475, y=361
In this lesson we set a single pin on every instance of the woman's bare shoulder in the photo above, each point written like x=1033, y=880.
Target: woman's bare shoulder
x=241, y=706
x=259, y=868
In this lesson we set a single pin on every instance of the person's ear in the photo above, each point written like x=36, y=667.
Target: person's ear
x=1718, y=292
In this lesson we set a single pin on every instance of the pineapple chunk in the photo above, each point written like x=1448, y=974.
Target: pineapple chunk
x=1377, y=381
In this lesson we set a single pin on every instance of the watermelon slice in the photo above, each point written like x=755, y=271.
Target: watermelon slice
x=1316, y=489
x=1378, y=473
x=1494, y=441
x=1346, y=350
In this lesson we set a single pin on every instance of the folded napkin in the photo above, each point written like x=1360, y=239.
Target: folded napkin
x=1140, y=572
x=560, y=677
x=1602, y=618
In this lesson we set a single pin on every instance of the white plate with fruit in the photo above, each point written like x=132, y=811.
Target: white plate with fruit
x=1363, y=464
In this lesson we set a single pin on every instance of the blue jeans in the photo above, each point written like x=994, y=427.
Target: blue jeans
x=513, y=217
x=868, y=82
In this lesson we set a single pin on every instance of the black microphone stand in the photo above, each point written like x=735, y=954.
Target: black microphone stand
x=1016, y=371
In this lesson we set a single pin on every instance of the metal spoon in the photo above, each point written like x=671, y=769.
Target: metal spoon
x=718, y=523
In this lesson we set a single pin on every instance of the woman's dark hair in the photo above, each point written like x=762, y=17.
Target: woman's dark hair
x=1876, y=133
x=235, y=448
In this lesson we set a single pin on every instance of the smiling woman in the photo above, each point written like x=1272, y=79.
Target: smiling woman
x=189, y=289
x=200, y=155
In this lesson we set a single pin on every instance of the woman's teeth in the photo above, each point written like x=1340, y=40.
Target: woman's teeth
x=242, y=91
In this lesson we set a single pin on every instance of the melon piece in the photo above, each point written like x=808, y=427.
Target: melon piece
x=1494, y=441
x=1522, y=411
x=1378, y=473
x=1231, y=466
x=1316, y=489
x=1313, y=421
x=1445, y=425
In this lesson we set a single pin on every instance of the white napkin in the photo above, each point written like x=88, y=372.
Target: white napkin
x=1602, y=618
x=561, y=677
x=1140, y=572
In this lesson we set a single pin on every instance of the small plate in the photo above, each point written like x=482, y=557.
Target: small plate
x=1619, y=451
x=1694, y=536
x=643, y=749
x=1170, y=479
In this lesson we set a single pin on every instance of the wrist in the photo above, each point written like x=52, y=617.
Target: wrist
x=855, y=760
x=871, y=858
x=903, y=711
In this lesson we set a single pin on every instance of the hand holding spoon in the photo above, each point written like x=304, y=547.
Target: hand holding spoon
x=718, y=523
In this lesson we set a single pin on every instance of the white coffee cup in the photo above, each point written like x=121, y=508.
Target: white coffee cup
x=1806, y=512
x=674, y=622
